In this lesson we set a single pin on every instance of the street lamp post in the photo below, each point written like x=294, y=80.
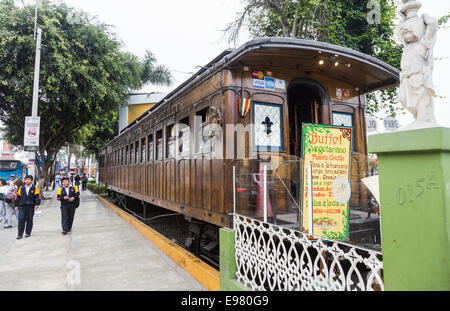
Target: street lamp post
x=32, y=124
x=37, y=66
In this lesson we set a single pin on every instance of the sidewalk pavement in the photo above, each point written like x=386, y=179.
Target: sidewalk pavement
x=103, y=252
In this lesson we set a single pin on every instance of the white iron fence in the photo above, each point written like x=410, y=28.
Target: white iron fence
x=270, y=257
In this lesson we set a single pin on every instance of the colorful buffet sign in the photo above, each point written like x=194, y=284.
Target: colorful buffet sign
x=327, y=153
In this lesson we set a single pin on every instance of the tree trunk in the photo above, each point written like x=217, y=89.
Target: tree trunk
x=42, y=172
x=68, y=161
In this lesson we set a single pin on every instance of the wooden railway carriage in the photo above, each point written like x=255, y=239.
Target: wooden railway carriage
x=174, y=167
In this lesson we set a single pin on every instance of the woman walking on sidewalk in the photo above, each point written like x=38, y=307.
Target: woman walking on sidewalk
x=9, y=202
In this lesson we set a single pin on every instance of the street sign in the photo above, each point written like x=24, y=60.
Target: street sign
x=31, y=135
x=391, y=124
x=372, y=124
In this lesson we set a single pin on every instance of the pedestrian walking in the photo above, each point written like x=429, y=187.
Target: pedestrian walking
x=84, y=181
x=26, y=203
x=69, y=196
x=12, y=180
x=77, y=180
x=71, y=180
x=58, y=180
x=18, y=183
x=3, y=185
x=9, y=203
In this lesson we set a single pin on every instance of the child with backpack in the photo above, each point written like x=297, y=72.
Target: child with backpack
x=69, y=196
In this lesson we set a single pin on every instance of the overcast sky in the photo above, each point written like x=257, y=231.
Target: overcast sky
x=184, y=34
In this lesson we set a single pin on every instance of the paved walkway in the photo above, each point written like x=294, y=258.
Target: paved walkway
x=103, y=252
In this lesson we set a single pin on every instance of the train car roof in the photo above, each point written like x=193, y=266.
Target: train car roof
x=362, y=70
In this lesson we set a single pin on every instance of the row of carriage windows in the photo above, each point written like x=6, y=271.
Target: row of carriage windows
x=152, y=148
x=178, y=136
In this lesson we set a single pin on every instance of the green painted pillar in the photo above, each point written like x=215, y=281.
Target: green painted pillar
x=414, y=170
x=228, y=262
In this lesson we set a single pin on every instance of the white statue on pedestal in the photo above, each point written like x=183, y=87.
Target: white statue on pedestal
x=418, y=36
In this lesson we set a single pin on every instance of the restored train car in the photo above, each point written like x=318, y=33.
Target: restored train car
x=168, y=158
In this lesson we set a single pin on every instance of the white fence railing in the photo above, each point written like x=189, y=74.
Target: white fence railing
x=270, y=257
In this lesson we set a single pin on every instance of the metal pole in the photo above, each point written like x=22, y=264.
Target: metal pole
x=310, y=200
x=234, y=196
x=37, y=66
x=265, y=193
x=35, y=19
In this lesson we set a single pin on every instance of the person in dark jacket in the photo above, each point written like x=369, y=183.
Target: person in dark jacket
x=77, y=180
x=26, y=203
x=84, y=181
x=67, y=195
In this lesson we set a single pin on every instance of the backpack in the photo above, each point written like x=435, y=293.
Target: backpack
x=11, y=195
x=76, y=202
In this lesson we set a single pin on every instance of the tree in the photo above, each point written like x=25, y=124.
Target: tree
x=152, y=73
x=106, y=126
x=84, y=73
x=365, y=26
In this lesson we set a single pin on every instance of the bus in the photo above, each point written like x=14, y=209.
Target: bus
x=12, y=167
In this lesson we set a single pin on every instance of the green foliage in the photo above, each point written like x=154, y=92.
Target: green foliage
x=104, y=128
x=85, y=77
x=444, y=20
x=83, y=73
x=96, y=188
x=340, y=22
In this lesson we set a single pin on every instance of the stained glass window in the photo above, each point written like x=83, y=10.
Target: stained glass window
x=267, y=120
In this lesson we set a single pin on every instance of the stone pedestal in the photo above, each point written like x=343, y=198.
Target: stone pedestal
x=414, y=170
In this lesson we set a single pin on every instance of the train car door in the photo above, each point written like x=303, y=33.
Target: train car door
x=305, y=100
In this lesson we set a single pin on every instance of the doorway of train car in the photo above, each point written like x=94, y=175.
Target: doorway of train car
x=305, y=99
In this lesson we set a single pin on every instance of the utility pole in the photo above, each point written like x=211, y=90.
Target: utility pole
x=32, y=124
x=37, y=63
x=37, y=67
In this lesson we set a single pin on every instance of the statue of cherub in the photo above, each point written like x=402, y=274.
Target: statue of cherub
x=418, y=36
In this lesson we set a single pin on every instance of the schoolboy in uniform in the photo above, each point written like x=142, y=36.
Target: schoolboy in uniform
x=26, y=203
x=67, y=195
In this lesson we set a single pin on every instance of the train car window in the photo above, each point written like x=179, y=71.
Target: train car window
x=150, y=147
x=143, y=150
x=170, y=134
x=183, y=137
x=131, y=154
x=136, y=153
x=203, y=139
x=159, y=145
x=123, y=151
x=268, y=126
x=126, y=155
x=344, y=119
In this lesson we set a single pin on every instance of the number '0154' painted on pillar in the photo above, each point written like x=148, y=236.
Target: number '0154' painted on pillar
x=413, y=191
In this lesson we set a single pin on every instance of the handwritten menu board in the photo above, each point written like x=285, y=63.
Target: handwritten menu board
x=327, y=151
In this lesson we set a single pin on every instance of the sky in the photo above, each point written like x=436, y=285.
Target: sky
x=186, y=34
x=181, y=34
